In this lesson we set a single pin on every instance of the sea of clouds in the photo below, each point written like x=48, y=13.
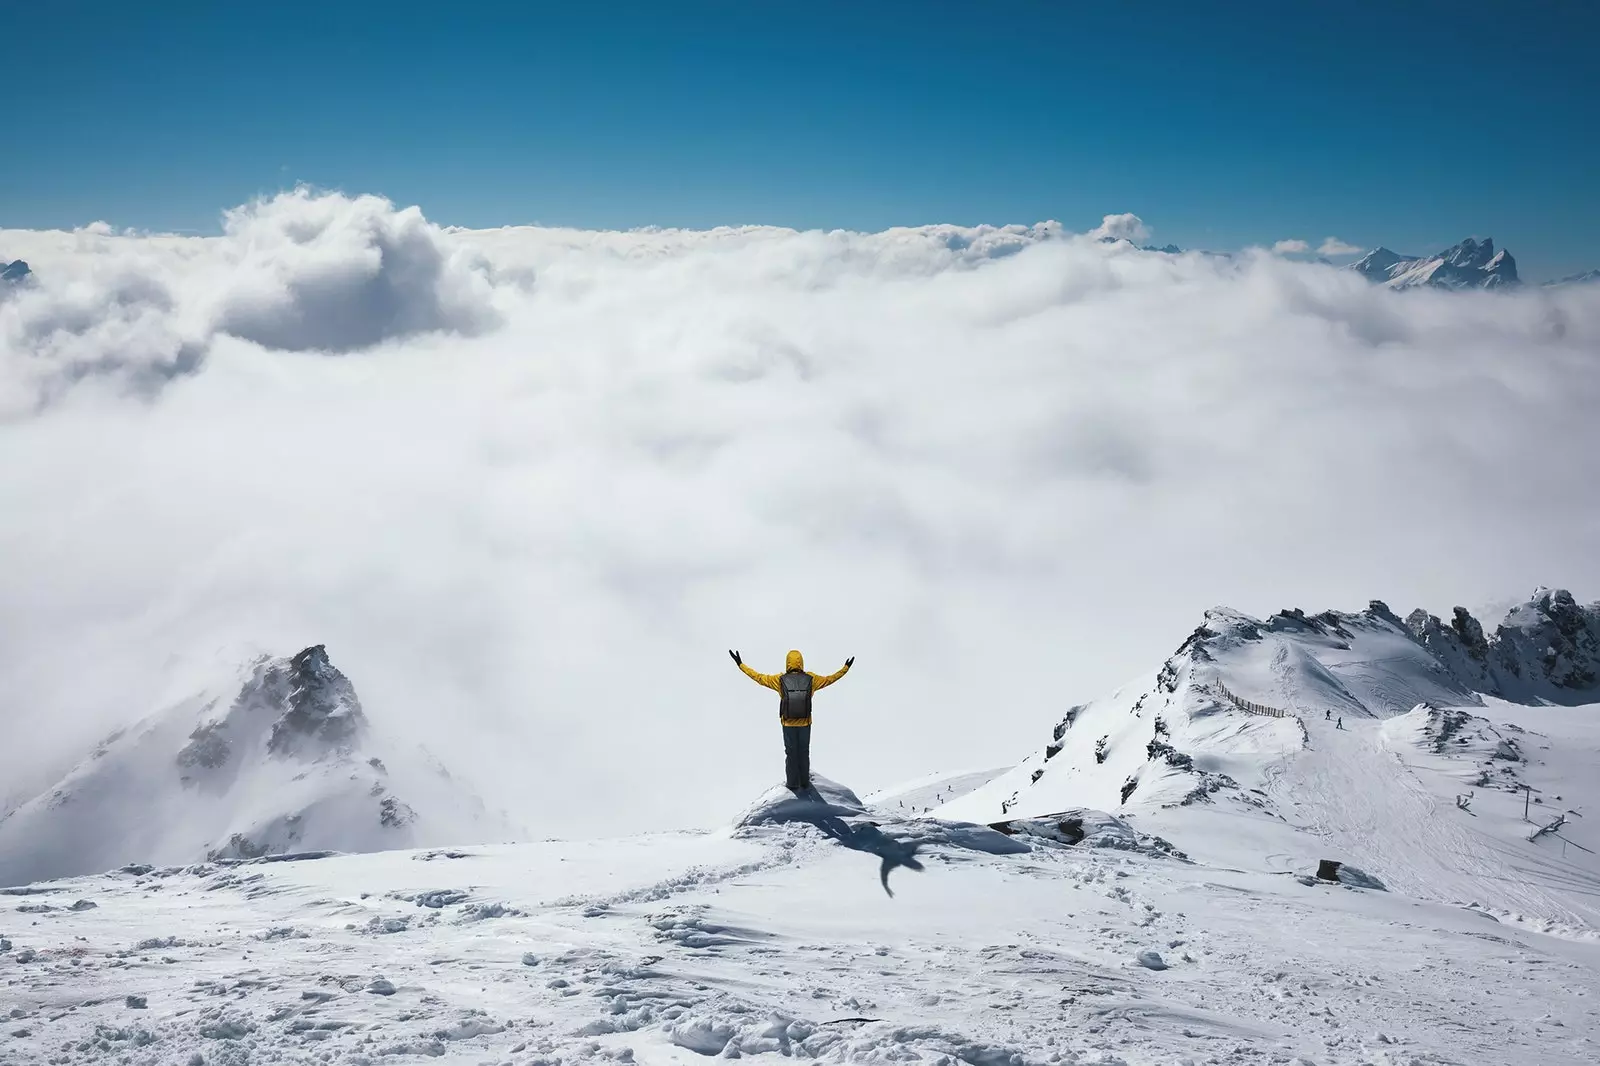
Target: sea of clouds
x=528, y=485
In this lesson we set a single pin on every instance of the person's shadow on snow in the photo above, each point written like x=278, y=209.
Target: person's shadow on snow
x=865, y=836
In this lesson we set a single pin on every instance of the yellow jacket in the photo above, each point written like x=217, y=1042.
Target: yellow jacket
x=794, y=661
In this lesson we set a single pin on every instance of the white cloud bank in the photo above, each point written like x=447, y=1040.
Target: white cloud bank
x=1291, y=247
x=528, y=485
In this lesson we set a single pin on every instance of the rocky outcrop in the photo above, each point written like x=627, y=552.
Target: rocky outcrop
x=1548, y=647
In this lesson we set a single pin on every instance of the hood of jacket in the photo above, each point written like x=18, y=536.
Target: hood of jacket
x=794, y=661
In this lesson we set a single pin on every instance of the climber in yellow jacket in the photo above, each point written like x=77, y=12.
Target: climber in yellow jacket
x=794, y=688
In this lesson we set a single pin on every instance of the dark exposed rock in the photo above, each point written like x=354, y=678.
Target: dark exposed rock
x=238, y=846
x=208, y=747
x=323, y=710
x=1168, y=754
x=1554, y=638
x=394, y=814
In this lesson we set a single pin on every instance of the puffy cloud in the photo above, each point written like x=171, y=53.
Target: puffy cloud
x=299, y=272
x=1291, y=247
x=1005, y=467
x=1124, y=227
x=1333, y=246
x=308, y=272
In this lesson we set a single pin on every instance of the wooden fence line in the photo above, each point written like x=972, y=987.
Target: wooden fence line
x=1251, y=707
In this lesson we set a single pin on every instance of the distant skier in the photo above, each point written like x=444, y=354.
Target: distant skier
x=794, y=688
x=1340, y=724
x=1327, y=716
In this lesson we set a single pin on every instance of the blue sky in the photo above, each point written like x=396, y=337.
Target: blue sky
x=1222, y=124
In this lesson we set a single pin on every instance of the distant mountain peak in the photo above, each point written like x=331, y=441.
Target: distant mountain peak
x=1588, y=277
x=1471, y=264
x=14, y=271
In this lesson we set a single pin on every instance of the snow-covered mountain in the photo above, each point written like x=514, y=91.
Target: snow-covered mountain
x=1469, y=265
x=1234, y=699
x=283, y=760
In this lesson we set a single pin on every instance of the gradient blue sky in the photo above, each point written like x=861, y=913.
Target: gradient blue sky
x=1411, y=124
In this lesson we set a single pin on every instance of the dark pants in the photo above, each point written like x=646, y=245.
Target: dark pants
x=797, y=756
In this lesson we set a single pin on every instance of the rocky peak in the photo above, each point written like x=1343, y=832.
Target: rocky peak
x=14, y=271
x=1551, y=640
x=1377, y=263
x=1470, y=254
x=322, y=710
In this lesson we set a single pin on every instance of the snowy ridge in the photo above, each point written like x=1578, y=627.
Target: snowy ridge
x=289, y=763
x=1387, y=757
x=1188, y=734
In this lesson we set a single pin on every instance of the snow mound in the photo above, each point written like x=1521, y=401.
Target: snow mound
x=824, y=799
x=840, y=816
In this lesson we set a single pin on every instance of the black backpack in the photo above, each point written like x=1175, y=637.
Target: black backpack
x=794, y=694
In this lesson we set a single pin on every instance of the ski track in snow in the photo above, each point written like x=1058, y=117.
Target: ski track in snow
x=1359, y=795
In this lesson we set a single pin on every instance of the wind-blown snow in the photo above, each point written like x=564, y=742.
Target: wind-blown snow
x=531, y=483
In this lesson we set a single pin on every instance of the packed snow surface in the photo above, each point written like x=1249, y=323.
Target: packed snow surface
x=775, y=938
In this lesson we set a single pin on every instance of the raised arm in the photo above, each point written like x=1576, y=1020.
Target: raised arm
x=819, y=682
x=769, y=680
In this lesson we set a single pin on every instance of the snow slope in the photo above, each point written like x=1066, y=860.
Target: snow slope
x=289, y=762
x=774, y=939
x=921, y=795
x=1353, y=770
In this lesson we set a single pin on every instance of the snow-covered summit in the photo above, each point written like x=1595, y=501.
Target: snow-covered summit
x=1471, y=264
x=288, y=763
